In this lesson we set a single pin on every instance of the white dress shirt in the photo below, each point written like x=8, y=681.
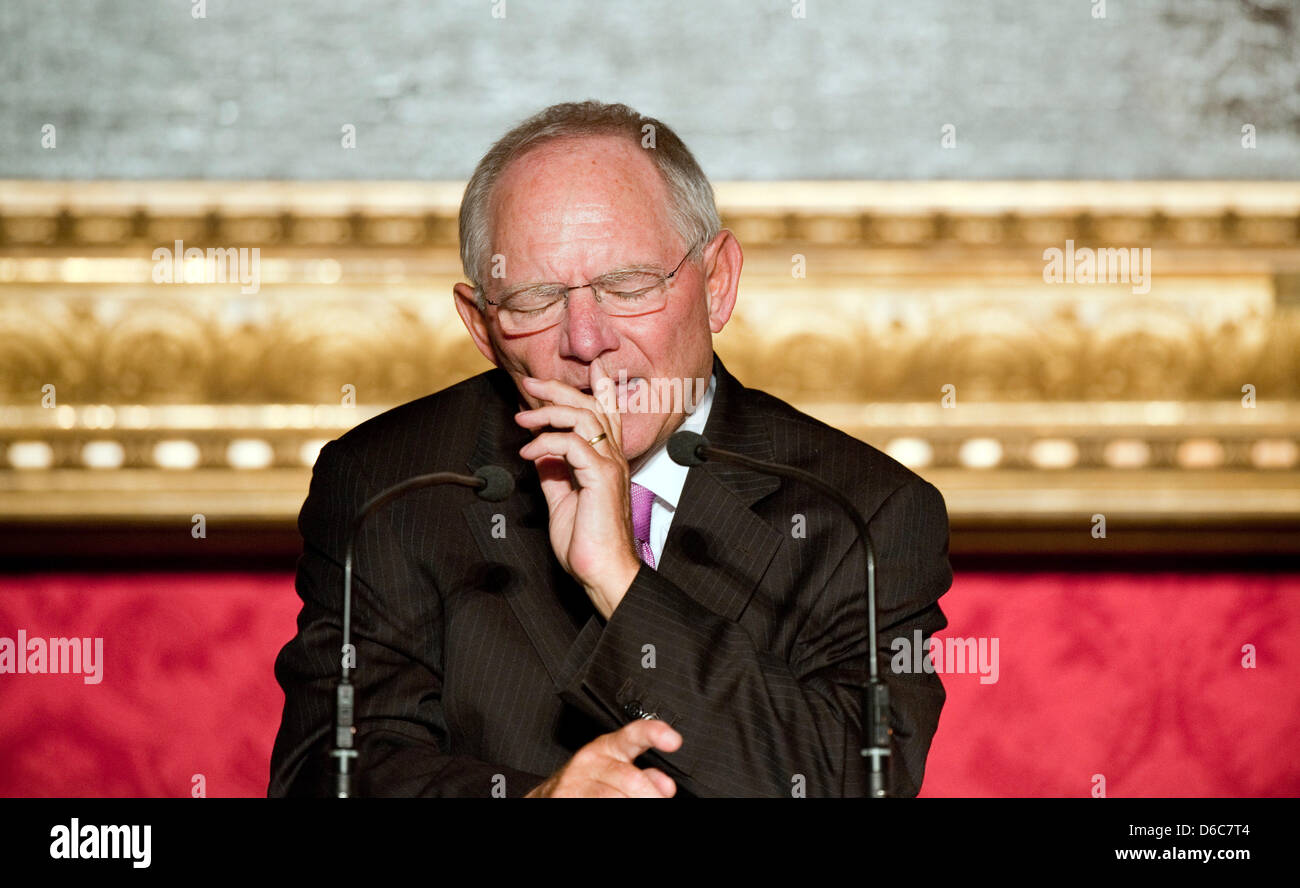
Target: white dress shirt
x=666, y=478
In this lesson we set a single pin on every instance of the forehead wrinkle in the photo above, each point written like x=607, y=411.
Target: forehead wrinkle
x=584, y=214
x=624, y=268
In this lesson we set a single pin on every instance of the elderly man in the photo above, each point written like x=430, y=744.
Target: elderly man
x=620, y=625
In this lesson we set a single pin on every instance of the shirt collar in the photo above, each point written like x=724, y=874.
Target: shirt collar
x=659, y=473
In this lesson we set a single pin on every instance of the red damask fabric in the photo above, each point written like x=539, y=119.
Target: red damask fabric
x=1138, y=678
x=187, y=686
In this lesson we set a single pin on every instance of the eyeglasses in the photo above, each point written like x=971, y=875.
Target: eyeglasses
x=624, y=293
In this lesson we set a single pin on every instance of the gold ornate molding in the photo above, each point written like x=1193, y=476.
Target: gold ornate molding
x=914, y=315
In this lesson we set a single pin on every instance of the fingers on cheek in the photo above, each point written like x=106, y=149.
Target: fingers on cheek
x=544, y=416
x=545, y=443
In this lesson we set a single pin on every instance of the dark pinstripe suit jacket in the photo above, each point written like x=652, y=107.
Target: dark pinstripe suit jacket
x=481, y=665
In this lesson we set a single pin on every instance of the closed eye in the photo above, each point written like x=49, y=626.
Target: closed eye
x=630, y=284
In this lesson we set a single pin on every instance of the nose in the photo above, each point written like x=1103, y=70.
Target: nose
x=586, y=332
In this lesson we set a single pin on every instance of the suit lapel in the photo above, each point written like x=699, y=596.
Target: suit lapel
x=717, y=548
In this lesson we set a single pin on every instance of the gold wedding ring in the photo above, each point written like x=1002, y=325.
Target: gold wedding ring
x=596, y=440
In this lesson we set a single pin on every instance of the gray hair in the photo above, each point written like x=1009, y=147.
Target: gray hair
x=691, y=208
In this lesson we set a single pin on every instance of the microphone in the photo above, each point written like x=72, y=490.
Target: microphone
x=692, y=449
x=684, y=448
x=492, y=483
x=497, y=483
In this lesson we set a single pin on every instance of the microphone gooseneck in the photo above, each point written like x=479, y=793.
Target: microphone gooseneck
x=492, y=483
x=692, y=449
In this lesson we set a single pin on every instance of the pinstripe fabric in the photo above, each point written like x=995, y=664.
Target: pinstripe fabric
x=481, y=665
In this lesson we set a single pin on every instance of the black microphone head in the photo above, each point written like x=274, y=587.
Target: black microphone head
x=497, y=483
x=684, y=448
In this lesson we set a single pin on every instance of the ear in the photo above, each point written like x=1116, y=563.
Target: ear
x=721, y=265
x=474, y=321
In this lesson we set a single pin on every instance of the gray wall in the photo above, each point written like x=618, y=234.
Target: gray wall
x=1041, y=89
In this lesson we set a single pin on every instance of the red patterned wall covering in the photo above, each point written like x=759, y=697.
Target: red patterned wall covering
x=1137, y=677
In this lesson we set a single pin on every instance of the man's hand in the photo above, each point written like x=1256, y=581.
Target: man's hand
x=603, y=768
x=586, y=485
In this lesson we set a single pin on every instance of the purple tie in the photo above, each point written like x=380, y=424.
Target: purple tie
x=643, y=500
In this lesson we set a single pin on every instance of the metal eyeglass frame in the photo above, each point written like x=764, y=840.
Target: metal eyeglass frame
x=595, y=292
